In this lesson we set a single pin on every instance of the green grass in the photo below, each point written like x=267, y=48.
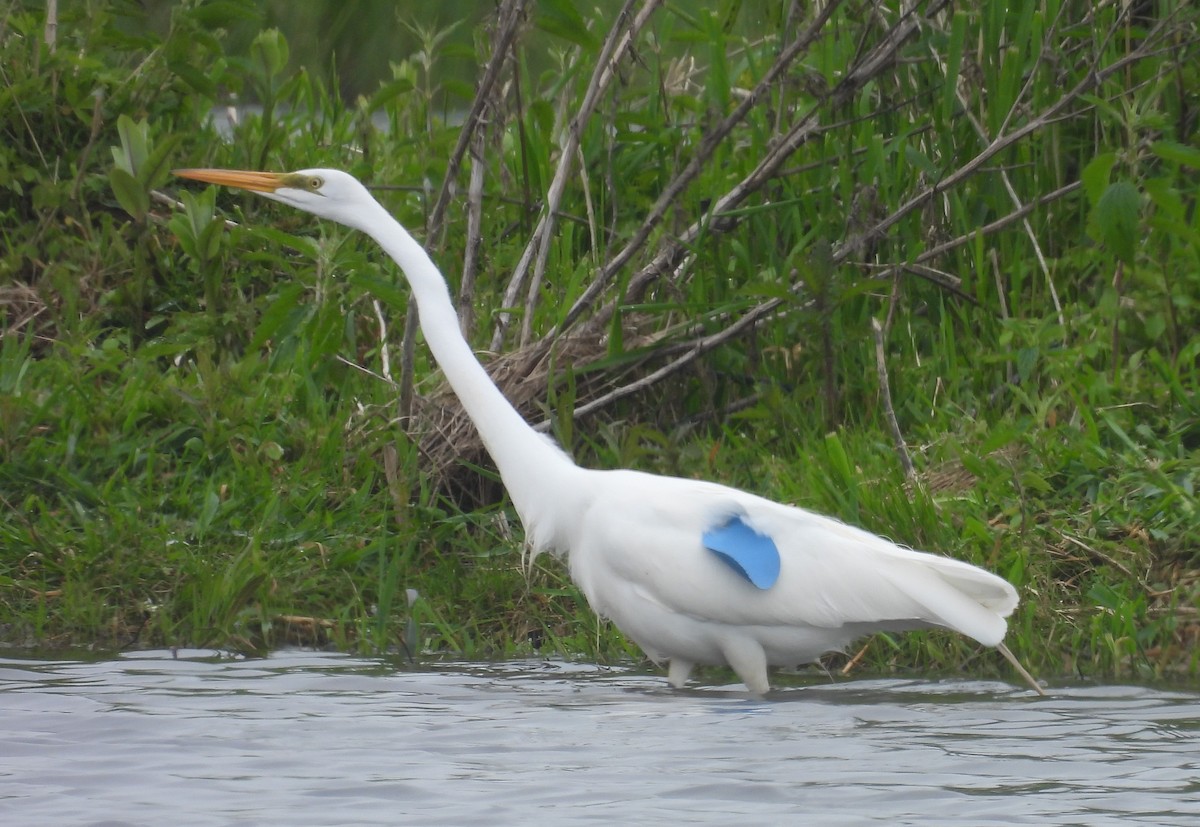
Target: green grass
x=190, y=456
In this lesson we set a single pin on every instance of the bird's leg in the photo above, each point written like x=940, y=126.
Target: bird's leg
x=747, y=658
x=678, y=671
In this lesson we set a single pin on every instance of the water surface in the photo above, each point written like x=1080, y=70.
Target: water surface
x=306, y=738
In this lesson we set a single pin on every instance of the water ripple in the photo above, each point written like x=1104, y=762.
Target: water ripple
x=307, y=738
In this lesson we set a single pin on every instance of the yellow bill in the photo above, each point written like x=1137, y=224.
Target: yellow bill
x=242, y=179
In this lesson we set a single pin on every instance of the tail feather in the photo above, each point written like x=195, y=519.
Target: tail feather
x=959, y=597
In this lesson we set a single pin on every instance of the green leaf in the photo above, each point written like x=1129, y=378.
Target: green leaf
x=275, y=315
x=134, y=144
x=954, y=54
x=305, y=246
x=156, y=166
x=131, y=195
x=270, y=51
x=561, y=19
x=1027, y=359
x=1177, y=153
x=1095, y=176
x=836, y=454
x=1116, y=216
x=382, y=289
x=387, y=93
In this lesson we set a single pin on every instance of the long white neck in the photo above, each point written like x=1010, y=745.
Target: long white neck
x=535, y=471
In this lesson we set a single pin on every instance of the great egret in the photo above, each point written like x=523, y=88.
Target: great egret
x=694, y=572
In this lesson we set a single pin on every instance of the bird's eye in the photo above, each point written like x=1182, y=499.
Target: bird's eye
x=315, y=183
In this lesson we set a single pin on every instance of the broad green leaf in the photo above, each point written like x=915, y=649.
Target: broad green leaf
x=387, y=93
x=270, y=51
x=382, y=289
x=1095, y=176
x=181, y=228
x=134, y=144
x=131, y=195
x=1177, y=153
x=562, y=19
x=1166, y=198
x=276, y=314
x=1116, y=218
x=156, y=166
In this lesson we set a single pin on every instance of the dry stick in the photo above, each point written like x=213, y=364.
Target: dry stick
x=1037, y=247
x=695, y=166
x=364, y=370
x=1003, y=142
x=591, y=100
x=51, y=30
x=509, y=17
x=384, y=356
x=588, y=203
x=670, y=255
x=701, y=345
x=176, y=204
x=857, y=657
x=870, y=64
x=615, y=46
x=466, y=289
x=967, y=238
x=889, y=413
x=1016, y=664
x=982, y=133
x=408, y=359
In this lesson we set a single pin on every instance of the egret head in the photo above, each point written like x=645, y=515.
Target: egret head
x=326, y=193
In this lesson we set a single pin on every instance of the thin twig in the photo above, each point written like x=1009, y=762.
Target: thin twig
x=408, y=357
x=466, y=288
x=857, y=657
x=619, y=40
x=1006, y=140
x=175, y=204
x=704, y=151
x=384, y=356
x=1016, y=664
x=351, y=364
x=804, y=129
x=1101, y=556
x=50, y=33
x=885, y=398
x=508, y=17
x=698, y=348
x=986, y=229
x=981, y=131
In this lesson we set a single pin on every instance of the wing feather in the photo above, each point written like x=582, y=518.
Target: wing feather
x=831, y=574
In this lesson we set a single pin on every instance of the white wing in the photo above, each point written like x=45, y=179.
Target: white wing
x=649, y=530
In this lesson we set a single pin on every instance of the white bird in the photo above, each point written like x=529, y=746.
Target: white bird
x=693, y=572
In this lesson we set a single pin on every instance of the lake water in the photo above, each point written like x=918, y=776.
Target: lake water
x=305, y=738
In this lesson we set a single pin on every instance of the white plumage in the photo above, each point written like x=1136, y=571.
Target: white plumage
x=641, y=547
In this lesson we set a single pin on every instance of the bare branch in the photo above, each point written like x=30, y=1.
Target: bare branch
x=508, y=17
x=466, y=288
x=618, y=42
x=885, y=399
x=703, y=154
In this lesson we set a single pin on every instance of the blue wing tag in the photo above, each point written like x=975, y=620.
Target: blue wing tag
x=752, y=555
